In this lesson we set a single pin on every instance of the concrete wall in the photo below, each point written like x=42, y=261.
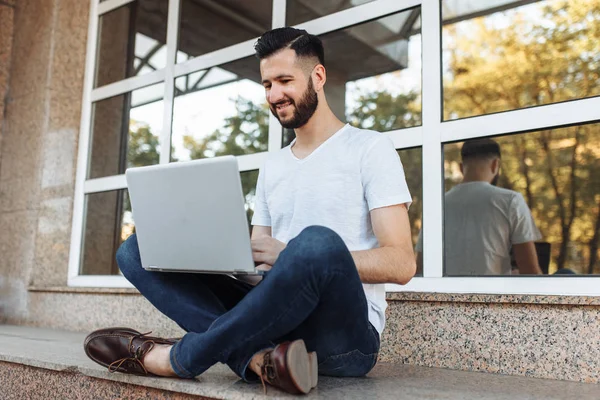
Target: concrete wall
x=40, y=127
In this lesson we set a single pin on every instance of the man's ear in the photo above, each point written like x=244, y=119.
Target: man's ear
x=319, y=77
x=462, y=168
x=496, y=166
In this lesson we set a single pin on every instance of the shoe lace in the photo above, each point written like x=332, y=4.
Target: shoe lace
x=136, y=356
x=267, y=371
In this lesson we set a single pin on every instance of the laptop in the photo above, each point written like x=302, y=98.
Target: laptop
x=190, y=217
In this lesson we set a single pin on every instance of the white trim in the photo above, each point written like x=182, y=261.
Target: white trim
x=528, y=285
x=356, y=15
x=110, y=5
x=407, y=137
x=279, y=11
x=127, y=85
x=106, y=281
x=527, y=119
x=218, y=57
x=115, y=182
x=172, y=34
x=433, y=216
x=84, y=142
x=251, y=162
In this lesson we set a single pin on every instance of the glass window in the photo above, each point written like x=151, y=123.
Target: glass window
x=220, y=111
x=132, y=41
x=524, y=56
x=125, y=131
x=413, y=170
x=298, y=11
x=544, y=211
x=374, y=73
x=209, y=25
x=108, y=223
x=249, y=179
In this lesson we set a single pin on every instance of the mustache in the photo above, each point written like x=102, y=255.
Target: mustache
x=282, y=102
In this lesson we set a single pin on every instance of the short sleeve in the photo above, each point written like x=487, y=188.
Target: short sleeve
x=522, y=225
x=382, y=175
x=261, y=215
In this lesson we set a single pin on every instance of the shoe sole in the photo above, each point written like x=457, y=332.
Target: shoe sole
x=302, y=366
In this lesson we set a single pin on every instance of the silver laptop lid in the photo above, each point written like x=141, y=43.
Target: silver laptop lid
x=191, y=216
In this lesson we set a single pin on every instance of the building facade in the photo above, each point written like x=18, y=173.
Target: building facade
x=89, y=89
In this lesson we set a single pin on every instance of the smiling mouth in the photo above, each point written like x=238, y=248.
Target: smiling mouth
x=282, y=106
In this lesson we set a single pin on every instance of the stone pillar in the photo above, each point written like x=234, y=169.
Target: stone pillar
x=39, y=145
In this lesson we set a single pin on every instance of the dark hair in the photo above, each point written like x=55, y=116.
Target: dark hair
x=302, y=42
x=480, y=149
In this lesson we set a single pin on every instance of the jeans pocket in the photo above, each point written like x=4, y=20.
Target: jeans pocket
x=353, y=363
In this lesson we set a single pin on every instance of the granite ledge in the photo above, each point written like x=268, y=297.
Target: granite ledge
x=493, y=298
x=62, y=351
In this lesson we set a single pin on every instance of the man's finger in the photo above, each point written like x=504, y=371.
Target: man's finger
x=264, y=267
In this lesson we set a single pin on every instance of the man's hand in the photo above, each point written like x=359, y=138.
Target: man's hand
x=265, y=250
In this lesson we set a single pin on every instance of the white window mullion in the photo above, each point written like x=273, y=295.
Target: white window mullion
x=433, y=254
x=356, y=15
x=110, y=5
x=84, y=143
x=528, y=119
x=127, y=85
x=524, y=285
x=279, y=10
x=407, y=137
x=168, y=99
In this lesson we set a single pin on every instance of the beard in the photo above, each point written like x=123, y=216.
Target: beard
x=303, y=110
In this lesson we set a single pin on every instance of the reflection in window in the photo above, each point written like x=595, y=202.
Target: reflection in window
x=125, y=131
x=108, y=223
x=413, y=167
x=132, y=41
x=220, y=111
x=377, y=84
x=298, y=11
x=209, y=25
x=556, y=175
x=249, y=179
x=541, y=53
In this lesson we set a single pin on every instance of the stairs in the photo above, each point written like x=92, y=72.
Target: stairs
x=46, y=364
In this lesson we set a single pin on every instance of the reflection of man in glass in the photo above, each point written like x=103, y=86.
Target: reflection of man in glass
x=482, y=222
x=331, y=226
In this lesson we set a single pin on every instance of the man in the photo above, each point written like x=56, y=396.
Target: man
x=483, y=222
x=331, y=226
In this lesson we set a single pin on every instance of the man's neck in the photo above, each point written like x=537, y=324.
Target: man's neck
x=321, y=126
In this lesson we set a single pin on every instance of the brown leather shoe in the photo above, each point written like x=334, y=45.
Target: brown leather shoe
x=290, y=367
x=121, y=349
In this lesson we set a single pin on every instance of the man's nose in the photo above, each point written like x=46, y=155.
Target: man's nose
x=275, y=94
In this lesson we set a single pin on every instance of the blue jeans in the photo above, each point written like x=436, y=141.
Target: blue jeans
x=313, y=292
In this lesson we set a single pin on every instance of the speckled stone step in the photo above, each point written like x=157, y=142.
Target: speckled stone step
x=46, y=364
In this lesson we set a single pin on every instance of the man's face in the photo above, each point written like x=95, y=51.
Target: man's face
x=289, y=89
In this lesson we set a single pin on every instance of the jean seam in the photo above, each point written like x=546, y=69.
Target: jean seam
x=176, y=363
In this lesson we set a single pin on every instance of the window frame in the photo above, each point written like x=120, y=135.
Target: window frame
x=431, y=137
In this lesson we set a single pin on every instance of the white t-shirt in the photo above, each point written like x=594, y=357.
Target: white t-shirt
x=351, y=173
x=482, y=222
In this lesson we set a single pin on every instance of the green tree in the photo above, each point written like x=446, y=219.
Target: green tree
x=245, y=132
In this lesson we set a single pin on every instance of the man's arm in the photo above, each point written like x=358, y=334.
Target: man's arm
x=259, y=231
x=394, y=260
x=526, y=258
